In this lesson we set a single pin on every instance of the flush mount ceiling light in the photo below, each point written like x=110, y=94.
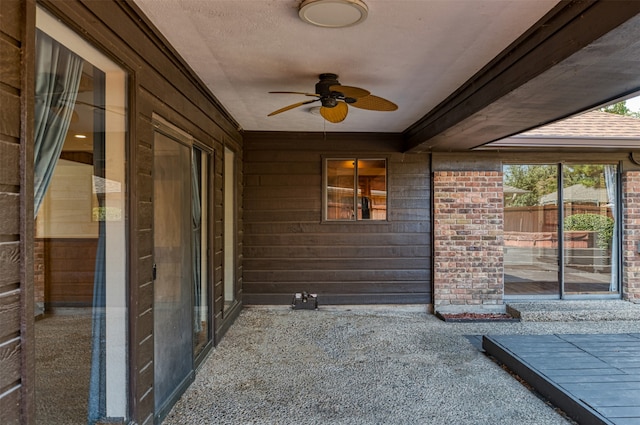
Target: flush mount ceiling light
x=333, y=13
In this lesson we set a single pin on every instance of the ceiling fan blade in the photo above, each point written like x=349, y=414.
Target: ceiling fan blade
x=295, y=105
x=336, y=114
x=374, y=103
x=296, y=92
x=347, y=91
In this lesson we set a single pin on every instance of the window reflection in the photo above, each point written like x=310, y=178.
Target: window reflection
x=589, y=253
x=368, y=202
x=80, y=232
x=530, y=230
x=590, y=228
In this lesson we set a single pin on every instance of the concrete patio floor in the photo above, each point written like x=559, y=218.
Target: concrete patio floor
x=366, y=365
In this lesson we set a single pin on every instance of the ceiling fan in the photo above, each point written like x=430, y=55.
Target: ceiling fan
x=335, y=99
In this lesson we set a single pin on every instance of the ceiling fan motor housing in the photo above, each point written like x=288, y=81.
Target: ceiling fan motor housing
x=323, y=86
x=328, y=102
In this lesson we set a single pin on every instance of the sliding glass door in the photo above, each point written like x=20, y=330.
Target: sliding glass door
x=80, y=240
x=530, y=230
x=182, y=270
x=590, y=242
x=200, y=198
x=229, y=248
x=583, y=215
x=173, y=359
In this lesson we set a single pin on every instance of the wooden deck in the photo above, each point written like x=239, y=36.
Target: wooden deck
x=595, y=379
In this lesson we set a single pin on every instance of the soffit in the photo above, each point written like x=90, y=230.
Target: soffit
x=413, y=52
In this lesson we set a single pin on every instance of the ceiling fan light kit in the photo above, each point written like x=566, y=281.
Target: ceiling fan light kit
x=333, y=13
x=336, y=98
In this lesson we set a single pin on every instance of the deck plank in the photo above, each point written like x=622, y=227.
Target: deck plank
x=595, y=379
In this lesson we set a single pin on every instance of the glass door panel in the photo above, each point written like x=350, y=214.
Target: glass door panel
x=80, y=240
x=590, y=232
x=200, y=240
x=229, y=290
x=172, y=224
x=531, y=230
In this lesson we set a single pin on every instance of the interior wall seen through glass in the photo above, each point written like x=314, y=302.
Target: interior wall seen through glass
x=356, y=189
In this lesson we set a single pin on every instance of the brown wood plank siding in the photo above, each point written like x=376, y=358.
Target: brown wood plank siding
x=288, y=249
x=218, y=226
x=10, y=403
x=70, y=271
x=16, y=304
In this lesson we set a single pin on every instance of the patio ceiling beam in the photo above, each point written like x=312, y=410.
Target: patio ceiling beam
x=579, y=56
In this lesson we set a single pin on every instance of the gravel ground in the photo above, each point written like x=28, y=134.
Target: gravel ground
x=381, y=365
x=63, y=359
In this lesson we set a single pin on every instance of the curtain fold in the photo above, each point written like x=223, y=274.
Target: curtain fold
x=611, y=181
x=58, y=73
x=196, y=225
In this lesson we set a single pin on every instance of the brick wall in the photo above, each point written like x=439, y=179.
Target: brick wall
x=631, y=236
x=468, y=239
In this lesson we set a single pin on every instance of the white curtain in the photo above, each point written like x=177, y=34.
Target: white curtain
x=196, y=228
x=58, y=73
x=610, y=176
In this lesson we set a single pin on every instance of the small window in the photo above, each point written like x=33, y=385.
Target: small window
x=355, y=189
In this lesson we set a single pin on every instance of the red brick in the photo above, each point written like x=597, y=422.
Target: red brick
x=473, y=238
x=631, y=235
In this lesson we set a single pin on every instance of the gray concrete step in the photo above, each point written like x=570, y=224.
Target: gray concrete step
x=570, y=311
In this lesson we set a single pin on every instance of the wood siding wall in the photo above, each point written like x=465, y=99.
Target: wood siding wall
x=71, y=271
x=288, y=249
x=160, y=83
x=16, y=232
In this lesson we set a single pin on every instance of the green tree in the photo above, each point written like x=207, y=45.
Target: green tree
x=535, y=180
x=602, y=225
x=620, y=108
x=539, y=180
x=586, y=175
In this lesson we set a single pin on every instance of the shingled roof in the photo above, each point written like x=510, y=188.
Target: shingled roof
x=591, y=129
x=590, y=124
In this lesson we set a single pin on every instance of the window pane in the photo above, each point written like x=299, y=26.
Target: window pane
x=590, y=232
x=172, y=287
x=199, y=216
x=372, y=189
x=80, y=229
x=229, y=229
x=340, y=186
x=531, y=230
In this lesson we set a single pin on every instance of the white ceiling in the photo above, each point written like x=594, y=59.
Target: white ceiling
x=412, y=52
